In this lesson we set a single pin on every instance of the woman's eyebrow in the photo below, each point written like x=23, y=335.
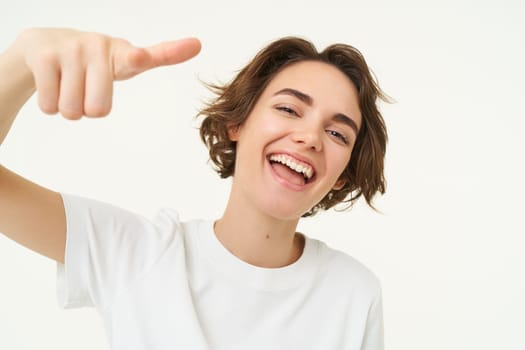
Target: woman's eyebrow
x=300, y=95
x=339, y=117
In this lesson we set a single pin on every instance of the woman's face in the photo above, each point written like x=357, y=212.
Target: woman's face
x=297, y=140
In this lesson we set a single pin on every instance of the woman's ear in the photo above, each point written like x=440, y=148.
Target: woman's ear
x=233, y=132
x=339, y=184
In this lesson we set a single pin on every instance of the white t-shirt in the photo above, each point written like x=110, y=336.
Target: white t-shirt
x=165, y=284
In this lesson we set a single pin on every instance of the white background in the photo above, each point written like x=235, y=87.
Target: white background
x=448, y=246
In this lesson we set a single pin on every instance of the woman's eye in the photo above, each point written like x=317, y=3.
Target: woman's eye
x=338, y=135
x=287, y=110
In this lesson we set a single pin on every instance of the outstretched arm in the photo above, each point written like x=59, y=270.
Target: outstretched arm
x=73, y=73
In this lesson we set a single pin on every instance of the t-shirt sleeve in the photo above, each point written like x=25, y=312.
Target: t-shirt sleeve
x=374, y=334
x=107, y=249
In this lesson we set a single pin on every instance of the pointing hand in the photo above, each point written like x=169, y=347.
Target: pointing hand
x=73, y=71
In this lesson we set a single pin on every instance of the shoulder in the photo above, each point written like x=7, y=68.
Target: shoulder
x=113, y=227
x=349, y=273
x=78, y=207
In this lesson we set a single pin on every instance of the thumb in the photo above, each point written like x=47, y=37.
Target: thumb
x=137, y=60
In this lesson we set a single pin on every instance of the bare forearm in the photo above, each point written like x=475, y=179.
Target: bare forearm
x=16, y=86
x=74, y=73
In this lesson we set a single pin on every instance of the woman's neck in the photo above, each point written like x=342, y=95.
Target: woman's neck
x=257, y=238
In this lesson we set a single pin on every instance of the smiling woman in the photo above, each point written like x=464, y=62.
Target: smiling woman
x=307, y=132
x=298, y=130
x=363, y=175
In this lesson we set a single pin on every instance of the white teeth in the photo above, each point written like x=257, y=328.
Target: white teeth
x=309, y=172
x=301, y=168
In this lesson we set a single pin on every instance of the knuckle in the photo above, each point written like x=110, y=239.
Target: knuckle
x=48, y=57
x=96, y=42
x=27, y=33
x=75, y=49
x=41, y=59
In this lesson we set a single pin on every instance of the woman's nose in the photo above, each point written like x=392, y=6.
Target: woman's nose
x=309, y=136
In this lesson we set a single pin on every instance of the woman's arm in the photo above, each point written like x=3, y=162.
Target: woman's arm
x=73, y=74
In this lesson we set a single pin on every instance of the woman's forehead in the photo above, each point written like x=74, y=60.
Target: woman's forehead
x=313, y=75
x=323, y=83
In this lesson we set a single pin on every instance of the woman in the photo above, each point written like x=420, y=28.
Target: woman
x=298, y=130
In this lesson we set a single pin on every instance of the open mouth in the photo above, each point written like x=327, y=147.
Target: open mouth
x=291, y=169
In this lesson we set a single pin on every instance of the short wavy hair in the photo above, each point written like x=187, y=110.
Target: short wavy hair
x=234, y=101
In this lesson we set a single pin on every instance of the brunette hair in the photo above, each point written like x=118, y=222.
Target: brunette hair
x=234, y=101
